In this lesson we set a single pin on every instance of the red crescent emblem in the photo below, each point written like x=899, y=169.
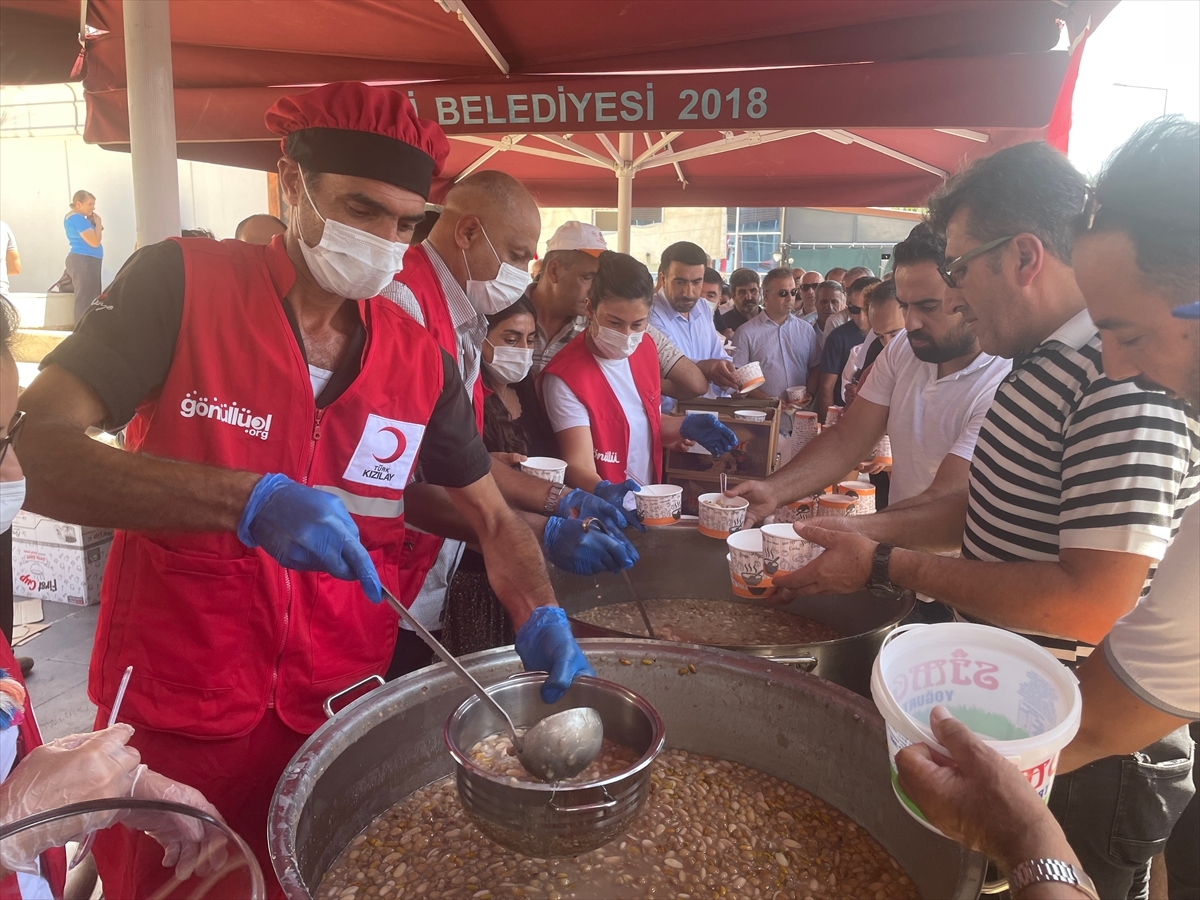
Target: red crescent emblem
x=401, y=443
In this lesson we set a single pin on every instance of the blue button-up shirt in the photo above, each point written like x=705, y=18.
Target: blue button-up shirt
x=694, y=334
x=786, y=352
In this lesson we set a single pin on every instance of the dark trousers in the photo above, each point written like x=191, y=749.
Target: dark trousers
x=411, y=653
x=85, y=276
x=1183, y=849
x=1118, y=812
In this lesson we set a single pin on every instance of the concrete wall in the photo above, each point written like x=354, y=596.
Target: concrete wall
x=703, y=225
x=43, y=161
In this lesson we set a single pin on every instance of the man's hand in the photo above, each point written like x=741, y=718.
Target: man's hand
x=719, y=372
x=545, y=644
x=306, y=529
x=577, y=503
x=573, y=548
x=512, y=460
x=979, y=798
x=871, y=467
x=761, y=495
x=843, y=568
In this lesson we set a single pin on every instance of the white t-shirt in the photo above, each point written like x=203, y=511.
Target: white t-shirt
x=928, y=416
x=841, y=317
x=1154, y=649
x=8, y=241
x=857, y=354
x=566, y=411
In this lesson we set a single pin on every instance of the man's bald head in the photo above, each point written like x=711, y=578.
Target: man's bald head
x=485, y=212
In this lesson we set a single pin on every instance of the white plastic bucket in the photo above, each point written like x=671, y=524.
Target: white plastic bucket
x=1022, y=701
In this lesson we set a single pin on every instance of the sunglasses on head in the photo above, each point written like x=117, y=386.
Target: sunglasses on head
x=784, y=293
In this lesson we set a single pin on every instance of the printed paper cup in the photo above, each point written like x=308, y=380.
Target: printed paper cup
x=837, y=505
x=798, y=394
x=785, y=551
x=718, y=520
x=750, y=415
x=659, y=504
x=750, y=376
x=746, y=564
x=833, y=414
x=863, y=491
x=796, y=511
x=883, y=451
x=546, y=468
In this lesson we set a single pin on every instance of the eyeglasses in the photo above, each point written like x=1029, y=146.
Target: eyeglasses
x=854, y=310
x=10, y=433
x=782, y=293
x=959, y=263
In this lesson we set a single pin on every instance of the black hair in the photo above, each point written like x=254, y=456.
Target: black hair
x=684, y=252
x=621, y=276
x=1028, y=188
x=742, y=277
x=829, y=274
x=422, y=228
x=10, y=321
x=777, y=273
x=521, y=306
x=198, y=232
x=879, y=292
x=1150, y=189
x=861, y=284
x=922, y=244
x=712, y=276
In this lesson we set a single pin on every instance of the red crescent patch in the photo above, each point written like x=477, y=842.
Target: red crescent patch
x=401, y=443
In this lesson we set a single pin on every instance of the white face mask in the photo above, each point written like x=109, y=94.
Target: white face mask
x=348, y=261
x=489, y=297
x=509, y=364
x=12, y=495
x=613, y=344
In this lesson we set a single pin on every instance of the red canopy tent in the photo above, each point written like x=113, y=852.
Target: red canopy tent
x=825, y=102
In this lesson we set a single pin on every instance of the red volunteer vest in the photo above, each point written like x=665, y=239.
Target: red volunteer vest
x=578, y=369
x=418, y=275
x=217, y=632
x=53, y=861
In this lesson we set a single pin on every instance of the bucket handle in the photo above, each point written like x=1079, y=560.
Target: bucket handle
x=327, y=706
x=803, y=663
x=899, y=630
x=607, y=803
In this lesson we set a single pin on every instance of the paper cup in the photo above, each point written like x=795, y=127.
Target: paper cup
x=718, y=520
x=546, y=468
x=797, y=511
x=837, y=505
x=883, y=451
x=659, y=504
x=750, y=376
x=750, y=415
x=798, y=394
x=746, y=564
x=785, y=551
x=863, y=491
x=833, y=414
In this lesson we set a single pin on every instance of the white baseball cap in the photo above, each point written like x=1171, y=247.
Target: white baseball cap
x=578, y=236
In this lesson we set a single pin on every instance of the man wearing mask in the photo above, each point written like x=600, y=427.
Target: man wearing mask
x=268, y=450
x=711, y=292
x=473, y=265
x=690, y=327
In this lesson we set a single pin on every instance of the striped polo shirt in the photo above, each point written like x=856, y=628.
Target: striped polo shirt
x=1067, y=458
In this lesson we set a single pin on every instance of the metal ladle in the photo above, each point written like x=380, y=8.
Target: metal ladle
x=556, y=748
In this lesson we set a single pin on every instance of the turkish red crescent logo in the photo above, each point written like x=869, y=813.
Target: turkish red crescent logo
x=401, y=443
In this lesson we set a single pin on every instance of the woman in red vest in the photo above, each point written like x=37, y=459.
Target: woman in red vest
x=602, y=391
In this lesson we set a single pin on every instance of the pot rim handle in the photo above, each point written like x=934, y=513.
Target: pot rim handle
x=607, y=803
x=327, y=706
x=804, y=663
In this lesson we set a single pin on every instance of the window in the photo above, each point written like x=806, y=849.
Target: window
x=606, y=219
x=754, y=233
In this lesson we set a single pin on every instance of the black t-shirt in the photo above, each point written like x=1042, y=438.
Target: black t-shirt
x=733, y=320
x=872, y=353
x=124, y=346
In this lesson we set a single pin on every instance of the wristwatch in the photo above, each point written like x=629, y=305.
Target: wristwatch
x=552, y=498
x=1035, y=871
x=879, y=568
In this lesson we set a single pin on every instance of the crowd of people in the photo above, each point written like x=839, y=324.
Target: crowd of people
x=1031, y=356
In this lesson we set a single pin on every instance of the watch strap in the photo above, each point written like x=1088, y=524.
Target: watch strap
x=1037, y=871
x=880, y=563
x=552, y=498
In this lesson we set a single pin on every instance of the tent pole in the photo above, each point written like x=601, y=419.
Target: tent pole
x=151, y=119
x=625, y=173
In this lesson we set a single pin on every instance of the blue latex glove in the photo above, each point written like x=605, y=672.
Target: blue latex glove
x=306, y=529
x=545, y=644
x=616, y=493
x=576, y=502
x=572, y=549
x=710, y=434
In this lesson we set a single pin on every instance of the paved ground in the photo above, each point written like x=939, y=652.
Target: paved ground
x=58, y=682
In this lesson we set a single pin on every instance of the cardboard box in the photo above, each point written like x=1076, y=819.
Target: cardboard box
x=57, y=561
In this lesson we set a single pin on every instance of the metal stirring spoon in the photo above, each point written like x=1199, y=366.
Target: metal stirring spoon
x=589, y=524
x=557, y=747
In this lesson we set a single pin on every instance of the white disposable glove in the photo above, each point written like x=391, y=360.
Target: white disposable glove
x=189, y=844
x=92, y=766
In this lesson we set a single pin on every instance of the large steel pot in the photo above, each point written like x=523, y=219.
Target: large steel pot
x=679, y=562
x=814, y=734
